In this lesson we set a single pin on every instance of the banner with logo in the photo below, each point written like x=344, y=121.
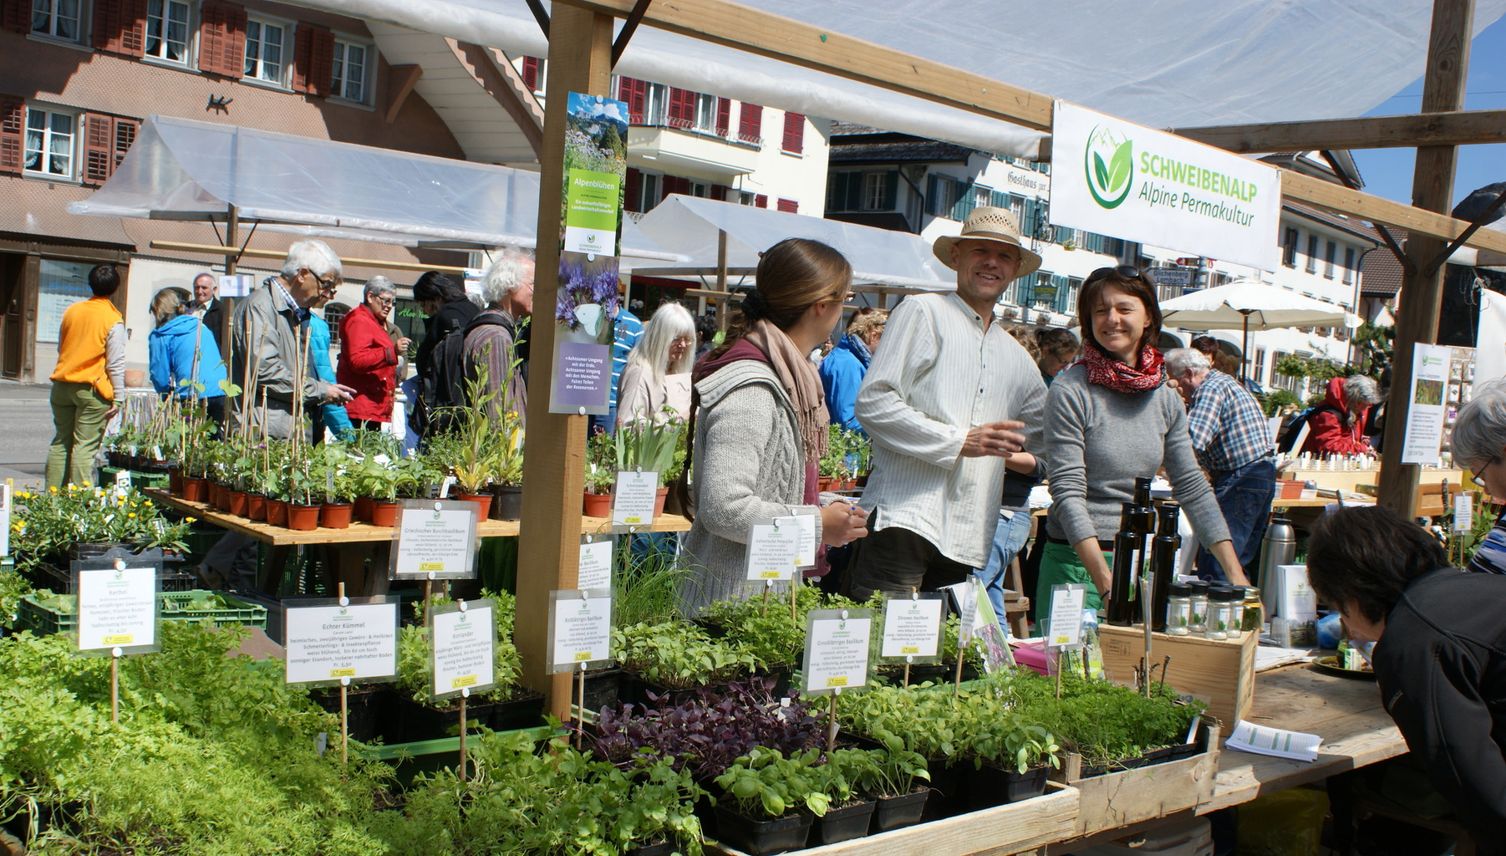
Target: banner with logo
x=1490, y=351
x=586, y=305
x=1430, y=367
x=1128, y=181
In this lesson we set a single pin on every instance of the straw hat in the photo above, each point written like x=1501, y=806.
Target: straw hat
x=988, y=224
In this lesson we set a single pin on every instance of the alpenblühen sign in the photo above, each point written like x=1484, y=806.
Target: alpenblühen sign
x=1127, y=181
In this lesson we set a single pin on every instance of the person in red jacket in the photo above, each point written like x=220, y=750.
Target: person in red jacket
x=369, y=357
x=1337, y=426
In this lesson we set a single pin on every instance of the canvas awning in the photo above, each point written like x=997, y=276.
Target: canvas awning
x=179, y=169
x=880, y=258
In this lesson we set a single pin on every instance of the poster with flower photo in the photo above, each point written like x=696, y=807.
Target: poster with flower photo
x=590, y=228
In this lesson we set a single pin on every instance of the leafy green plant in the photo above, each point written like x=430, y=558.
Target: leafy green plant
x=415, y=654
x=601, y=467
x=895, y=770
x=47, y=523
x=676, y=655
x=765, y=783
x=647, y=445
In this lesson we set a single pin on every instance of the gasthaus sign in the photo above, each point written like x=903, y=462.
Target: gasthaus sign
x=1128, y=181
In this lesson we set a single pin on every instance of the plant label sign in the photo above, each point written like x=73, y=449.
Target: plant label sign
x=595, y=565
x=580, y=629
x=1464, y=512
x=434, y=539
x=912, y=628
x=5, y=501
x=836, y=650
x=1066, y=616
x=465, y=642
x=117, y=608
x=805, y=553
x=634, y=498
x=328, y=641
x=774, y=550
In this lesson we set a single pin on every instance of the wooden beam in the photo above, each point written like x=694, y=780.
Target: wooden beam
x=1419, y=222
x=580, y=48
x=1461, y=128
x=1422, y=282
x=404, y=78
x=746, y=29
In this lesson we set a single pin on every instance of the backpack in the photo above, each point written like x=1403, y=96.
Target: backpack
x=448, y=368
x=1298, y=426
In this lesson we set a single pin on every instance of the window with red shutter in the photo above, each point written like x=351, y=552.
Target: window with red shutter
x=681, y=108
x=12, y=131
x=125, y=136
x=15, y=15
x=675, y=184
x=120, y=26
x=794, y=133
x=789, y=205
x=222, y=39
x=632, y=191
x=719, y=192
x=723, y=116
x=750, y=124
x=313, y=59
x=632, y=91
x=99, y=148
x=761, y=200
x=530, y=72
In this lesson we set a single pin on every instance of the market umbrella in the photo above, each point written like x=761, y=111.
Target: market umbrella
x=1247, y=305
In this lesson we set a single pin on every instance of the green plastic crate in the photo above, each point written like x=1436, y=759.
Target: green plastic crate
x=42, y=619
x=139, y=478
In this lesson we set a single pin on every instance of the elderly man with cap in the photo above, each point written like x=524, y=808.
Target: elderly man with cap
x=948, y=399
x=1234, y=445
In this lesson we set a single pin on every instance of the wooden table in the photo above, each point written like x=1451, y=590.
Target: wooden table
x=358, y=533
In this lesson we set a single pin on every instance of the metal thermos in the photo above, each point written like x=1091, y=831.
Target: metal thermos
x=1278, y=548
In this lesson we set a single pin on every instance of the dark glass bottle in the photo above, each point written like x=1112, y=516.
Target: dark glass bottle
x=1144, y=517
x=1163, y=560
x=1121, y=606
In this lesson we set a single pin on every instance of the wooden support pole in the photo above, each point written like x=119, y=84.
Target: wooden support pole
x=721, y=279
x=580, y=49
x=1422, y=284
x=1373, y=132
x=232, y=257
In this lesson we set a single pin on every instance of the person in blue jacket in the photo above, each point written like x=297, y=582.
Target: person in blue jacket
x=331, y=416
x=842, y=370
x=183, y=356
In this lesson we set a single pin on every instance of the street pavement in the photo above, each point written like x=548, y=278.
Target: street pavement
x=25, y=432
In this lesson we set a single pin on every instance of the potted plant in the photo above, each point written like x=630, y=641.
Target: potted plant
x=507, y=461
x=303, y=511
x=767, y=801
x=600, y=475
x=474, y=464
x=1011, y=757
x=673, y=657
x=850, y=811
x=898, y=780
x=648, y=446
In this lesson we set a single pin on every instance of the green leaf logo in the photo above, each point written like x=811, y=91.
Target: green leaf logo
x=1109, y=161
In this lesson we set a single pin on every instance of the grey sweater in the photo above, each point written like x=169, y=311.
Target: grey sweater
x=749, y=467
x=1098, y=441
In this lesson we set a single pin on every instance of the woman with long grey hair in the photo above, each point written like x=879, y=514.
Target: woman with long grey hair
x=655, y=385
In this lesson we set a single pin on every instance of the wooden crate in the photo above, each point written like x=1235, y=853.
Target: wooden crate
x=1117, y=800
x=1013, y=828
x=1221, y=673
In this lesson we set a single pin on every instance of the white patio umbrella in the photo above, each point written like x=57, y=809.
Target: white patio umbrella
x=1250, y=304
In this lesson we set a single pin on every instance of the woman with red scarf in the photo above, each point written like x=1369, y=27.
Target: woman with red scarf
x=1110, y=419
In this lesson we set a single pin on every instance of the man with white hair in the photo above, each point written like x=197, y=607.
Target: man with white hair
x=1233, y=443
x=207, y=303
x=266, y=332
x=493, y=337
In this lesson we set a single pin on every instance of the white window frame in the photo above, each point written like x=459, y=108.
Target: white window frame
x=76, y=133
x=284, y=66
x=705, y=109
x=650, y=187
x=874, y=185
x=50, y=31
x=655, y=104
x=343, y=44
x=188, y=34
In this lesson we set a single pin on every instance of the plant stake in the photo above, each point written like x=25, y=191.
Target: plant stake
x=344, y=701
x=957, y=678
x=1061, y=662
x=794, y=595
x=115, y=654
x=831, y=721
x=580, y=710
x=465, y=693
x=1147, y=588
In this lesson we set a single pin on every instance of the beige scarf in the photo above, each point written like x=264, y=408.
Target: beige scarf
x=800, y=382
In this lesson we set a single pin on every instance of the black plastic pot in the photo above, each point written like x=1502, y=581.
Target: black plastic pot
x=899, y=812
x=525, y=710
x=603, y=689
x=663, y=848
x=425, y=722
x=369, y=711
x=759, y=837
x=843, y=824
x=1185, y=750
x=508, y=504
x=991, y=786
x=948, y=790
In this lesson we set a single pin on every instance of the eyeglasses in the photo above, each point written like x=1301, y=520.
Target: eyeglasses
x=386, y=301
x=325, y=283
x=1480, y=473
x=1121, y=271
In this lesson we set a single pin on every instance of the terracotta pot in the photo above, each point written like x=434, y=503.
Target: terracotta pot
x=175, y=481
x=363, y=508
x=277, y=511
x=336, y=515
x=303, y=518
x=482, y=501
x=659, y=497
x=826, y=483
x=384, y=513
x=221, y=494
x=256, y=506
x=194, y=489
x=597, y=504
x=238, y=501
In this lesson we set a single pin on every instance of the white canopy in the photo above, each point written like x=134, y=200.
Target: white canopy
x=689, y=225
x=179, y=169
x=1250, y=305
x=1164, y=64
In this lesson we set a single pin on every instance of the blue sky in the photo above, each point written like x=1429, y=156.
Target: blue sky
x=1388, y=172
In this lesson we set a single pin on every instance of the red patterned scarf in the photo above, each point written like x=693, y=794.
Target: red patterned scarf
x=1104, y=370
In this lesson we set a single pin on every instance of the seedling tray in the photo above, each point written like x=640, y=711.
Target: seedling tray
x=43, y=618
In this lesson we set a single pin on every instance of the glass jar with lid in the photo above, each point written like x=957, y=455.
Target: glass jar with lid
x=1179, y=610
x=1222, y=602
x=1197, y=608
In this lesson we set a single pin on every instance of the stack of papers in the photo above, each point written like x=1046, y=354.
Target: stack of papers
x=1275, y=742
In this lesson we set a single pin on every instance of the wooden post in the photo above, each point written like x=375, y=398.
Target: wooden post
x=1422, y=281
x=580, y=50
x=232, y=256
x=723, y=305
x=464, y=693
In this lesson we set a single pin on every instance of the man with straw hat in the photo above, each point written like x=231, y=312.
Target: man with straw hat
x=949, y=398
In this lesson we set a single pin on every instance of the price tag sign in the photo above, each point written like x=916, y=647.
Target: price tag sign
x=836, y=650
x=912, y=628
x=805, y=553
x=773, y=550
x=122, y=480
x=6, y=493
x=434, y=539
x=596, y=564
x=634, y=498
x=328, y=640
x=1066, y=616
x=580, y=629
x=465, y=645
x=1464, y=512
x=117, y=608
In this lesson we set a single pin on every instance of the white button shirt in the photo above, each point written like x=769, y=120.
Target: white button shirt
x=937, y=373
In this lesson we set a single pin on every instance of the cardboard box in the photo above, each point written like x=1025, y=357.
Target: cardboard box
x=1219, y=672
